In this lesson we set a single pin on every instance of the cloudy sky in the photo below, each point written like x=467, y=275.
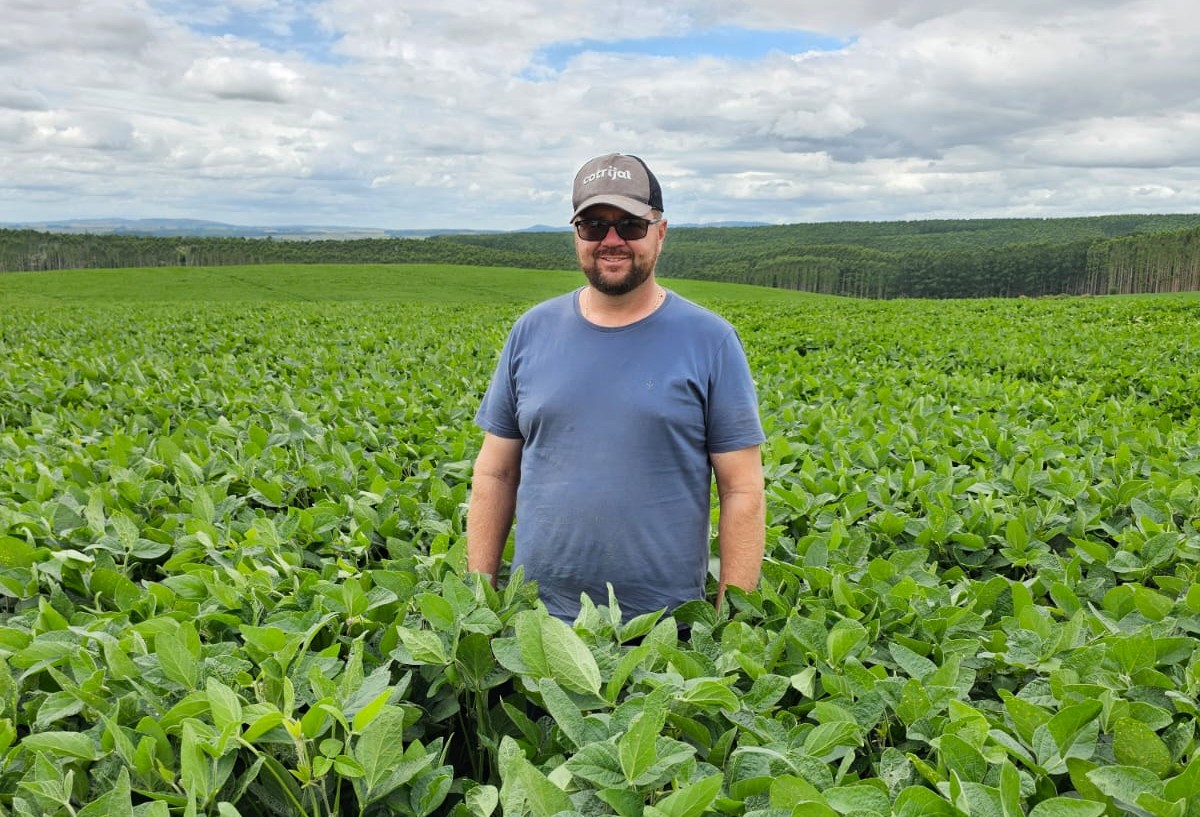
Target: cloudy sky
x=476, y=113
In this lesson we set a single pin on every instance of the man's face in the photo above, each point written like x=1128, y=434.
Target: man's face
x=614, y=265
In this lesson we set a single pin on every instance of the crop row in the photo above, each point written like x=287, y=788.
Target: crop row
x=232, y=575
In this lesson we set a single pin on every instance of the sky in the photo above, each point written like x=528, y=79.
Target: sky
x=434, y=114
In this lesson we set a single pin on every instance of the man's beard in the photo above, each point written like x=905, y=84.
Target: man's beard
x=634, y=278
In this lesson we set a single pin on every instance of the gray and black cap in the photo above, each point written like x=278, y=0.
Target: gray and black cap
x=617, y=180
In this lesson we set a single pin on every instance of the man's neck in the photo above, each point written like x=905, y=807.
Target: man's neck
x=621, y=310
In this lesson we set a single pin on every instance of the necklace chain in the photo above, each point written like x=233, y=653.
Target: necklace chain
x=585, y=301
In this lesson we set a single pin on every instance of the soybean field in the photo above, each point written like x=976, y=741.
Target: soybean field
x=232, y=562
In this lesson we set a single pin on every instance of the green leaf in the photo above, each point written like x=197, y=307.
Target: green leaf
x=177, y=661
x=1185, y=784
x=691, y=800
x=195, y=772
x=599, y=764
x=224, y=704
x=843, y=639
x=829, y=741
x=425, y=646
x=710, y=693
x=1151, y=604
x=481, y=801
x=348, y=767
x=524, y=785
x=365, y=716
x=567, y=658
x=567, y=716
x=860, y=799
x=15, y=552
x=1072, y=732
x=476, y=662
x=625, y=802
x=915, y=665
x=625, y=667
x=1026, y=717
x=63, y=744
x=117, y=802
x=380, y=751
x=788, y=790
x=1067, y=807
x=1126, y=783
x=1010, y=790
x=962, y=758
x=918, y=801
x=262, y=725
x=437, y=611
x=1136, y=744
x=528, y=627
x=636, y=748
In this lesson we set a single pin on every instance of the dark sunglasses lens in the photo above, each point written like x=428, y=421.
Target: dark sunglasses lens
x=596, y=229
x=592, y=230
x=632, y=229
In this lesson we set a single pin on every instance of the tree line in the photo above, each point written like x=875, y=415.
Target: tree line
x=967, y=258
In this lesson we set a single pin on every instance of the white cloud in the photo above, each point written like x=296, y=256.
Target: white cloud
x=424, y=114
x=255, y=80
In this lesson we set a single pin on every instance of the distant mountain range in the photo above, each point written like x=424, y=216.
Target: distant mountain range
x=182, y=227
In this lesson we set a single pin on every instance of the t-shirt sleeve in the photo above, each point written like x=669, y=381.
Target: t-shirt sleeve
x=733, y=420
x=497, y=412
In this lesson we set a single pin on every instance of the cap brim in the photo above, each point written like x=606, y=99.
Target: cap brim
x=629, y=205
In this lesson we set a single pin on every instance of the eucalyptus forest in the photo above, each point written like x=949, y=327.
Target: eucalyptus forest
x=923, y=259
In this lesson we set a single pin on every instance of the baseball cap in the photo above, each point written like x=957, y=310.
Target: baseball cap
x=618, y=180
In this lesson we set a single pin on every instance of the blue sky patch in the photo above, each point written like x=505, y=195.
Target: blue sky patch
x=726, y=43
x=300, y=34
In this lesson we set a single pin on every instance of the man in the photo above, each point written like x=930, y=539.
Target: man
x=610, y=411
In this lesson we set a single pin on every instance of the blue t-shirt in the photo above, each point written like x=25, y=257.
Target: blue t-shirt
x=618, y=424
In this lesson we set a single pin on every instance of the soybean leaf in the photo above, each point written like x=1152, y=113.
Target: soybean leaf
x=525, y=786
x=570, y=662
x=1136, y=744
x=481, y=801
x=437, y=611
x=1067, y=807
x=177, y=661
x=224, y=704
x=568, y=717
x=599, y=764
x=117, y=802
x=859, y=799
x=917, y=801
x=63, y=744
x=962, y=758
x=1126, y=783
x=380, y=751
x=1072, y=732
x=690, y=801
x=624, y=801
x=636, y=747
x=914, y=665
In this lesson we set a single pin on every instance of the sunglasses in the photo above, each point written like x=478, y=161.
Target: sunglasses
x=629, y=229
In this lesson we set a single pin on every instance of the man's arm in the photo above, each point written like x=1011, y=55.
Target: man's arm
x=741, y=530
x=493, y=502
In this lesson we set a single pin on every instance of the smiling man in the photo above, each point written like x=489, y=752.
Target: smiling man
x=609, y=414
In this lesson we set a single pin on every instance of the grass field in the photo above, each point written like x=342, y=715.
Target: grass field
x=320, y=283
x=231, y=562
